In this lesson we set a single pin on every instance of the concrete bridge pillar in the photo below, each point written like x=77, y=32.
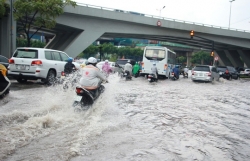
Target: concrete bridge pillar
x=223, y=59
x=189, y=56
x=234, y=57
x=5, y=37
x=245, y=55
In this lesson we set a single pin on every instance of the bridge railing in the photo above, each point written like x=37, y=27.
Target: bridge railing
x=158, y=17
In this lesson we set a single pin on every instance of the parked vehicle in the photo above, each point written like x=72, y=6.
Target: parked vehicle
x=152, y=78
x=4, y=81
x=205, y=73
x=162, y=56
x=122, y=62
x=4, y=61
x=85, y=98
x=228, y=72
x=37, y=63
x=246, y=72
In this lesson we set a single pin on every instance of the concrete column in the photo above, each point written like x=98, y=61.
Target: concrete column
x=82, y=41
x=5, y=37
x=189, y=56
x=245, y=55
x=234, y=57
x=223, y=59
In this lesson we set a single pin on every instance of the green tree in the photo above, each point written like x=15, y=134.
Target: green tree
x=4, y=8
x=34, y=43
x=38, y=14
x=182, y=59
x=201, y=57
x=89, y=51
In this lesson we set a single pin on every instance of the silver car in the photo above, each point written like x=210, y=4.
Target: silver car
x=205, y=73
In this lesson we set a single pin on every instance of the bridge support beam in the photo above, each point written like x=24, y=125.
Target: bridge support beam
x=5, y=37
x=223, y=58
x=189, y=56
x=245, y=55
x=234, y=57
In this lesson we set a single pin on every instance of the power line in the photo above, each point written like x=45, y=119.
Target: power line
x=241, y=20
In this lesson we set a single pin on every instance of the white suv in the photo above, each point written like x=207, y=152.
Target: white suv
x=37, y=63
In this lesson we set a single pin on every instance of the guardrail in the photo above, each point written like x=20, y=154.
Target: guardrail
x=158, y=17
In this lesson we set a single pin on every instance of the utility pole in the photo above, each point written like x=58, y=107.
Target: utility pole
x=230, y=12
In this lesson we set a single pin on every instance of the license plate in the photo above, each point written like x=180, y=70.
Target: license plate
x=62, y=77
x=125, y=73
x=200, y=74
x=220, y=73
x=78, y=98
x=149, y=79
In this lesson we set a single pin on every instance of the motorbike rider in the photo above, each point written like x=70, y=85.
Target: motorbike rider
x=69, y=67
x=176, y=71
x=136, y=69
x=91, y=76
x=154, y=70
x=106, y=67
x=185, y=70
x=128, y=67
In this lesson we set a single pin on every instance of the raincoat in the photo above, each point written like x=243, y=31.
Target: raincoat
x=91, y=77
x=128, y=67
x=154, y=70
x=136, y=68
x=106, y=68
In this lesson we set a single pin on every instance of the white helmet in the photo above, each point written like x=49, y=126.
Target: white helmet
x=128, y=61
x=154, y=63
x=106, y=61
x=92, y=60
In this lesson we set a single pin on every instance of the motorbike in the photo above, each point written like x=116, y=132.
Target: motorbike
x=185, y=75
x=4, y=82
x=127, y=75
x=174, y=76
x=85, y=98
x=152, y=78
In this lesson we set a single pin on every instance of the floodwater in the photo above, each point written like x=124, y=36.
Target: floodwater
x=132, y=120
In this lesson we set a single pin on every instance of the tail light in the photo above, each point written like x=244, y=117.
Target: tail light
x=79, y=90
x=172, y=73
x=36, y=62
x=62, y=73
x=209, y=74
x=142, y=64
x=11, y=61
x=165, y=66
x=193, y=72
x=226, y=71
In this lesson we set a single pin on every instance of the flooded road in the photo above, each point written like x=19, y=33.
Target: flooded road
x=133, y=120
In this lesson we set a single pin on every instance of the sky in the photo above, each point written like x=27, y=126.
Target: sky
x=210, y=12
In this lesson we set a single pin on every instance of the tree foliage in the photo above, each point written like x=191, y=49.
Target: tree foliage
x=112, y=53
x=4, y=8
x=38, y=14
x=34, y=43
x=201, y=57
x=182, y=59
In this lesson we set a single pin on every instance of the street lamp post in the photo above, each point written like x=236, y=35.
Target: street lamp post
x=230, y=12
x=160, y=10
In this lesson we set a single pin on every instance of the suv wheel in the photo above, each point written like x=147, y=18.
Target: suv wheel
x=21, y=80
x=50, y=77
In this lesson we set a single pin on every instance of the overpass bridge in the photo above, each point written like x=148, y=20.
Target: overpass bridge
x=79, y=27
